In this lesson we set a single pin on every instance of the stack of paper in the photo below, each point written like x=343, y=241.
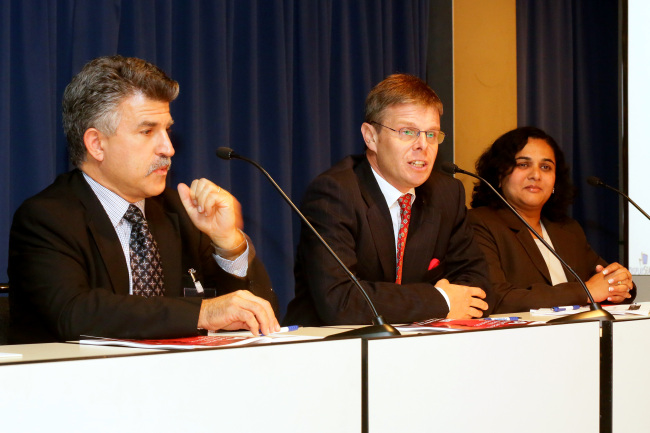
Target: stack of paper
x=446, y=325
x=213, y=340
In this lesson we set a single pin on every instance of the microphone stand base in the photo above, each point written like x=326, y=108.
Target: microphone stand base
x=372, y=331
x=585, y=316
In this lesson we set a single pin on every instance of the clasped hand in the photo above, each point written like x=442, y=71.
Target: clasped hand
x=612, y=283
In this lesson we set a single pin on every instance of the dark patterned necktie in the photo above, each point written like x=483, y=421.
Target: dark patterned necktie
x=405, y=217
x=146, y=266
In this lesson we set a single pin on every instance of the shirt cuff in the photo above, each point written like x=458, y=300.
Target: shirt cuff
x=238, y=266
x=444, y=295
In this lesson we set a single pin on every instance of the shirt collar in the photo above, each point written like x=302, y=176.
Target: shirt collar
x=391, y=194
x=114, y=205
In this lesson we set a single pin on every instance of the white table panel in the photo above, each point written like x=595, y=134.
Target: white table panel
x=309, y=386
x=532, y=379
x=630, y=375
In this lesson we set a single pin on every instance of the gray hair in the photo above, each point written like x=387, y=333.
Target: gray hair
x=93, y=97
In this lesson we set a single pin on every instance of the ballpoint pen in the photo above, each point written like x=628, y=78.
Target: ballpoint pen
x=197, y=283
x=285, y=329
x=566, y=308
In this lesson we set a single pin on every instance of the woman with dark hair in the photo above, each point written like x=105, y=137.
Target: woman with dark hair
x=528, y=168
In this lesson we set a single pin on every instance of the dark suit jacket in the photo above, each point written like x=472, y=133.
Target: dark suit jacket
x=518, y=272
x=347, y=207
x=69, y=276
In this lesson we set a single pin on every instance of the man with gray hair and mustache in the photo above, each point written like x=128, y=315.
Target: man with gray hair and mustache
x=106, y=249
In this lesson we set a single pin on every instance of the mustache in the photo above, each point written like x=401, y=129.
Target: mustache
x=161, y=163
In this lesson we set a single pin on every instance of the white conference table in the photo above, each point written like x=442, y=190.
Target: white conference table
x=535, y=378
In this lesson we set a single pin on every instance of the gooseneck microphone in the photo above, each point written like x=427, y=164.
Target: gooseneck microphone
x=593, y=180
x=596, y=312
x=379, y=328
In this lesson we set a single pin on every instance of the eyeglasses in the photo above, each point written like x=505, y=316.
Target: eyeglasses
x=409, y=135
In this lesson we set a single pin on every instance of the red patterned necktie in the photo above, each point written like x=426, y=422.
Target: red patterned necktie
x=405, y=218
x=146, y=266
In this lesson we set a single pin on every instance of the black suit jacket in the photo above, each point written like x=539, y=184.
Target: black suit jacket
x=518, y=272
x=347, y=207
x=69, y=277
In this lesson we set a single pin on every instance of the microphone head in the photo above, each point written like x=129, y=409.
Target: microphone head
x=225, y=152
x=449, y=167
x=593, y=180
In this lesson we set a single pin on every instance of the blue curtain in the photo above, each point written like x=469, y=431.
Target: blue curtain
x=282, y=82
x=567, y=73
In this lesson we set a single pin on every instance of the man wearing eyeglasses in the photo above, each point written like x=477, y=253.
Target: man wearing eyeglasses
x=398, y=227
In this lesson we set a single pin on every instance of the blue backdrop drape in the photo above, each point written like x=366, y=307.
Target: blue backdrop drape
x=282, y=82
x=568, y=85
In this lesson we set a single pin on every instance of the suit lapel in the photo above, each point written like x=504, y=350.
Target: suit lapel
x=104, y=235
x=165, y=230
x=527, y=242
x=379, y=220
